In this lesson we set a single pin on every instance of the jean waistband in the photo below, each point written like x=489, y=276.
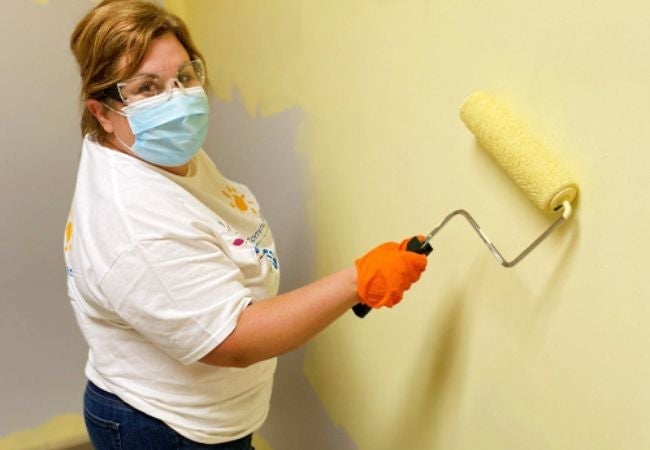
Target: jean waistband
x=101, y=392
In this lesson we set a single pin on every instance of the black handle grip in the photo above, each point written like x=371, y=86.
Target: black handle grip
x=414, y=245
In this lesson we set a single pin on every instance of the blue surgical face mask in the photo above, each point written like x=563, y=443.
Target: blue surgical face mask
x=169, y=128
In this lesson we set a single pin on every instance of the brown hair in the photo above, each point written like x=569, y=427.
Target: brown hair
x=110, y=42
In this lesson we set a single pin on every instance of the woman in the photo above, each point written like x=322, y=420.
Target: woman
x=172, y=280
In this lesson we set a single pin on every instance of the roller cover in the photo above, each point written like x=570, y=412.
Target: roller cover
x=522, y=156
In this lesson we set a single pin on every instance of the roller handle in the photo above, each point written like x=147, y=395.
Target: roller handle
x=414, y=245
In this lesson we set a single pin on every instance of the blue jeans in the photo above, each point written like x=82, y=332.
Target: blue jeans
x=114, y=425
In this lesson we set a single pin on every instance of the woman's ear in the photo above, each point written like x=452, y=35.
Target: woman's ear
x=101, y=113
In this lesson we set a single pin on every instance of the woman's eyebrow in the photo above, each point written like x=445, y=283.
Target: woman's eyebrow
x=155, y=75
x=145, y=74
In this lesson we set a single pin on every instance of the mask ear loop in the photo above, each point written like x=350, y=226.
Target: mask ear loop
x=115, y=134
x=116, y=111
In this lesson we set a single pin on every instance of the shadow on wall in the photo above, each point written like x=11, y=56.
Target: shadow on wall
x=429, y=403
x=261, y=153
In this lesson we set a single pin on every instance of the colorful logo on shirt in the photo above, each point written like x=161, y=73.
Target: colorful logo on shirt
x=239, y=200
x=67, y=246
x=68, y=237
x=265, y=253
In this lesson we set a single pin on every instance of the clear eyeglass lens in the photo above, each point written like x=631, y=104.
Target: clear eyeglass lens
x=191, y=74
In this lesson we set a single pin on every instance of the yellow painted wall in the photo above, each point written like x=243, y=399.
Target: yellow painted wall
x=550, y=355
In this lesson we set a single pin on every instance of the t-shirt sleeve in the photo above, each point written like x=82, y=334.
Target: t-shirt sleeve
x=183, y=295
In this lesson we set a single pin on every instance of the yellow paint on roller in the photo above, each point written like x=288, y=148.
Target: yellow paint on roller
x=522, y=155
x=65, y=431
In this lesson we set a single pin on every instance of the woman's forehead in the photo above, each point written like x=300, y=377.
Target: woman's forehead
x=164, y=56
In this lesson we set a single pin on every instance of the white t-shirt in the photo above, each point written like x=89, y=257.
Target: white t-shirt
x=159, y=269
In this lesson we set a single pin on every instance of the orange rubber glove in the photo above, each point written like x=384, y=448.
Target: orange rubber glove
x=384, y=273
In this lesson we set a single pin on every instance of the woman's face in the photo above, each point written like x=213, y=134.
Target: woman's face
x=163, y=58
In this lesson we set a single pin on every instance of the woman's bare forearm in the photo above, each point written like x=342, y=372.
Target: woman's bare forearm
x=275, y=326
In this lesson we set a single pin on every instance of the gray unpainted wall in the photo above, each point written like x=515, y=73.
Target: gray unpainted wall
x=43, y=353
x=261, y=153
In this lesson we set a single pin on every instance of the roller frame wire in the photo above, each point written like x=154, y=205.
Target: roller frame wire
x=566, y=212
x=361, y=310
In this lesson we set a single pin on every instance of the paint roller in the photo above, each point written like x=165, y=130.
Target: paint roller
x=524, y=157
